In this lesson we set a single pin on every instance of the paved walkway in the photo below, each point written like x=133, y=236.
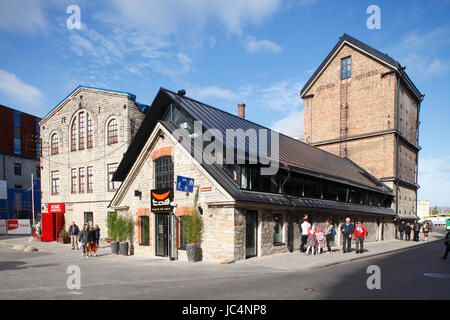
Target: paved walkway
x=277, y=262
x=299, y=261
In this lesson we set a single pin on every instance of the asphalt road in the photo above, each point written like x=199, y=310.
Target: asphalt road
x=41, y=275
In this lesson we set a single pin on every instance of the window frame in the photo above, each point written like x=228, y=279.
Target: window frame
x=81, y=131
x=17, y=166
x=74, y=181
x=161, y=174
x=81, y=179
x=74, y=135
x=346, y=67
x=112, y=131
x=280, y=222
x=55, y=182
x=54, y=143
x=90, y=179
x=110, y=173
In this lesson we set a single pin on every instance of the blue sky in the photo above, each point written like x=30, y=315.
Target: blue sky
x=224, y=53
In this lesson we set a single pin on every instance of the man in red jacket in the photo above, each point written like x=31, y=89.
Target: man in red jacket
x=359, y=235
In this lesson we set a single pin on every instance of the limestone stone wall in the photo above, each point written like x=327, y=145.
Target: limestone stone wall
x=102, y=106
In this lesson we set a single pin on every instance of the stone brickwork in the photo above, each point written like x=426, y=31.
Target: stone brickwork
x=381, y=120
x=102, y=106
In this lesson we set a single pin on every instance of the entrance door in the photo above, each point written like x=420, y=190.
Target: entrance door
x=251, y=233
x=161, y=234
x=144, y=231
x=89, y=218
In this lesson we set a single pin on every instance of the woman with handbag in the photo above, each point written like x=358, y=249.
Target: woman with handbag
x=329, y=234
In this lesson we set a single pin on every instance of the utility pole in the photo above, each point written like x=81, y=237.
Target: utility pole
x=32, y=199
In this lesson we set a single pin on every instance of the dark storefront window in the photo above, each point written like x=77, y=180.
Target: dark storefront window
x=163, y=172
x=144, y=231
x=17, y=169
x=277, y=228
x=182, y=235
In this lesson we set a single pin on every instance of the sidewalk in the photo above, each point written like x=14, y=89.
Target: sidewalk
x=297, y=261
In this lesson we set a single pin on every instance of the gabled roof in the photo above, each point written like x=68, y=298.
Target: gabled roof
x=382, y=57
x=299, y=156
x=131, y=96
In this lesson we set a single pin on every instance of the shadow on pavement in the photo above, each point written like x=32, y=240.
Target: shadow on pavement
x=22, y=265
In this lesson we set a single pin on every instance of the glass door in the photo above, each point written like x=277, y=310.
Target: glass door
x=89, y=218
x=161, y=234
x=144, y=231
x=251, y=233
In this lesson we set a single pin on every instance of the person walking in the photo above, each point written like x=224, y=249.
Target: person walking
x=97, y=235
x=447, y=246
x=329, y=230
x=425, y=231
x=305, y=228
x=84, y=238
x=401, y=229
x=319, y=236
x=359, y=235
x=92, y=242
x=73, y=233
x=408, y=230
x=416, y=230
x=311, y=242
x=347, y=230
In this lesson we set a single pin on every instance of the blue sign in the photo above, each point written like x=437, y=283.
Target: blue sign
x=185, y=184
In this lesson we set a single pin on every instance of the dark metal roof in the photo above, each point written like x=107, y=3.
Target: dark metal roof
x=382, y=56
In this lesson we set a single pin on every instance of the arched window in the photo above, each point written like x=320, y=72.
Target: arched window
x=90, y=132
x=82, y=131
x=113, y=132
x=74, y=135
x=54, y=141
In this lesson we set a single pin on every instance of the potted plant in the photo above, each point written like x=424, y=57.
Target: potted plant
x=192, y=228
x=63, y=236
x=111, y=223
x=125, y=231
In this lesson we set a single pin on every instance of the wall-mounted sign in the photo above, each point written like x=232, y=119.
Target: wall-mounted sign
x=3, y=190
x=207, y=191
x=21, y=226
x=185, y=184
x=161, y=199
x=56, y=208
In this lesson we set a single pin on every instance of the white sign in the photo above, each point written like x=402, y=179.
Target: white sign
x=3, y=190
x=20, y=226
x=207, y=191
x=2, y=226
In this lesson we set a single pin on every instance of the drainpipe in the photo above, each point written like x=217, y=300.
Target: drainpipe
x=293, y=206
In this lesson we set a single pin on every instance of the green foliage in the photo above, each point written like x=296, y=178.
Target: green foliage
x=193, y=227
x=111, y=225
x=435, y=210
x=63, y=233
x=124, y=228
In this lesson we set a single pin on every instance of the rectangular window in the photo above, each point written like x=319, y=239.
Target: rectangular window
x=74, y=181
x=74, y=135
x=346, y=68
x=82, y=178
x=90, y=179
x=278, y=228
x=17, y=169
x=82, y=132
x=90, y=132
x=17, y=124
x=144, y=231
x=164, y=173
x=312, y=189
x=55, y=182
x=112, y=185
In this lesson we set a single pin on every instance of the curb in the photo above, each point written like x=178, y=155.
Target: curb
x=378, y=254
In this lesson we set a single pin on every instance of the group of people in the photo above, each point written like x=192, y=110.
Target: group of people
x=404, y=230
x=314, y=240
x=88, y=239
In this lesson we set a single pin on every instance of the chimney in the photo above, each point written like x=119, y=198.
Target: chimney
x=241, y=110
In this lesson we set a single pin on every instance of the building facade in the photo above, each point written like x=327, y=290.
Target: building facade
x=245, y=213
x=361, y=104
x=19, y=160
x=83, y=140
x=423, y=209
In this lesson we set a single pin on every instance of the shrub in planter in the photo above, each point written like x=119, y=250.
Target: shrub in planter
x=192, y=229
x=124, y=232
x=63, y=237
x=111, y=224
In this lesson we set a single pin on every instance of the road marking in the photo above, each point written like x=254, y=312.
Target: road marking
x=437, y=275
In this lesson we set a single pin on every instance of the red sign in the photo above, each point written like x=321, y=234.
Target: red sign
x=13, y=224
x=56, y=208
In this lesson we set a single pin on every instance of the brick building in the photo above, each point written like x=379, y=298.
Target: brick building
x=83, y=140
x=19, y=159
x=245, y=213
x=361, y=104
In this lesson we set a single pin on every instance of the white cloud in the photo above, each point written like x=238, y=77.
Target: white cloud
x=255, y=46
x=22, y=16
x=434, y=180
x=18, y=90
x=292, y=125
x=173, y=16
x=283, y=95
x=201, y=93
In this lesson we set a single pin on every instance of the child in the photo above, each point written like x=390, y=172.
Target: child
x=311, y=242
x=320, y=236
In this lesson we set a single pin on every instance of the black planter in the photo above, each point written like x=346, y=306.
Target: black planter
x=115, y=247
x=192, y=252
x=124, y=248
